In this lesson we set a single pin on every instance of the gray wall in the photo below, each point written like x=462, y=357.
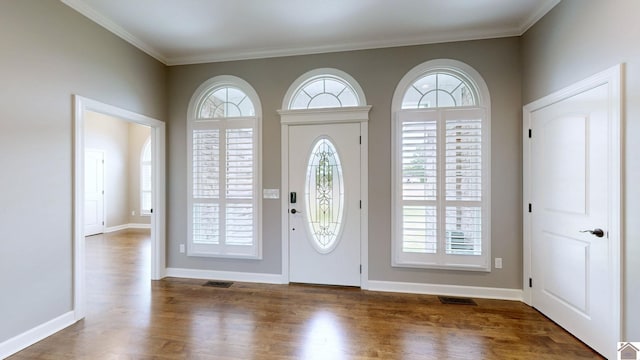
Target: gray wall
x=50, y=52
x=578, y=39
x=378, y=72
x=138, y=135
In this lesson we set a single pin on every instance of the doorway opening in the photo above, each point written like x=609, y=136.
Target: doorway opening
x=83, y=109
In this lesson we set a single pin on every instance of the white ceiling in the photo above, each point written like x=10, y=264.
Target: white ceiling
x=197, y=31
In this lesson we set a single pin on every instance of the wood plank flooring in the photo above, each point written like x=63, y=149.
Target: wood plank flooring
x=130, y=317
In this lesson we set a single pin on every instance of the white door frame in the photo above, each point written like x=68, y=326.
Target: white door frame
x=356, y=114
x=612, y=78
x=158, y=236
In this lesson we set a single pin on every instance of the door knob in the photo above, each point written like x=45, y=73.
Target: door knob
x=294, y=211
x=596, y=232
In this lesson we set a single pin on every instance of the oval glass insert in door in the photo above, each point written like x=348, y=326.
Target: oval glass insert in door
x=324, y=195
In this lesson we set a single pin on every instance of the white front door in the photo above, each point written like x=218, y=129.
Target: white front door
x=324, y=204
x=93, y=192
x=572, y=275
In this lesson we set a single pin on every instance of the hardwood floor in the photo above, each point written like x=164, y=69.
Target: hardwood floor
x=130, y=317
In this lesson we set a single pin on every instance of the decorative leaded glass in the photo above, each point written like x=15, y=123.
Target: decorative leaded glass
x=437, y=90
x=324, y=190
x=226, y=102
x=324, y=92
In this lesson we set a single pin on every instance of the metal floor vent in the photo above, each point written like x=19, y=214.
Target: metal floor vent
x=456, y=300
x=218, y=284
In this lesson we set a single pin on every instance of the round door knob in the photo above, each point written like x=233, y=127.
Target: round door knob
x=293, y=211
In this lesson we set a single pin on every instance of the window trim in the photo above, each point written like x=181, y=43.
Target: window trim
x=481, y=91
x=203, y=91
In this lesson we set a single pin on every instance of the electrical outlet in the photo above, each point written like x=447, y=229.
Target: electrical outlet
x=181, y=248
x=498, y=263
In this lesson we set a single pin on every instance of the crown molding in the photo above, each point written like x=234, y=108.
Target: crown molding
x=234, y=55
x=355, y=46
x=542, y=10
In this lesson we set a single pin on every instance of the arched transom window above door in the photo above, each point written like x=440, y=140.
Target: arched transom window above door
x=324, y=88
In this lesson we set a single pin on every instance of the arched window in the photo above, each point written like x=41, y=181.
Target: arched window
x=324, y=88
x=145, y=178
x=324, y=92
x=441, y=168
x=224, y=162
x=439, y=89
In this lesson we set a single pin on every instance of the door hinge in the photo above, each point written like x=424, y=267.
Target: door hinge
x=529, y=133
x=529, y=207
x=103, y=223
x=360, y=204
x=360, y=268
x=151, y=211
x=360, y=140
x=530, y=282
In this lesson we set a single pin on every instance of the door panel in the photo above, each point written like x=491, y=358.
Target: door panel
x=565, y=141
x=571, y=270
x=568, y=263
x=324, y=231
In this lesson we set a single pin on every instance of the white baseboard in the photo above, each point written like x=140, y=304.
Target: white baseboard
x=111, y=229
x=139, y=226
x=373, y=285
x=448, y=290
x=36, y=334
x=225, y=275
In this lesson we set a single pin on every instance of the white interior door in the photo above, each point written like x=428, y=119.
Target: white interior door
x=324, y=213
x=572, y=271
x=94, y=192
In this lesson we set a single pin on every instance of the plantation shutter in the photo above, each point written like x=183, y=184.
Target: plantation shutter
x=224, y=188
x=239, y=175
x=419, y=182
x=440, y=198
x=463, y=182
x=206, y=184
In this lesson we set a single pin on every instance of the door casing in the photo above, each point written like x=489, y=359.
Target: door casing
x=158, y=220
x=612, y=77
x=356, y=114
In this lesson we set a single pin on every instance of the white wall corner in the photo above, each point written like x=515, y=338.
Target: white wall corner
x=30, y=337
